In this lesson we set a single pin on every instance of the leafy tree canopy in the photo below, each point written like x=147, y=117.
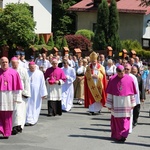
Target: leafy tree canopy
x=145, y=3
x=63, y=21
x=17, y=24
x=102, y=26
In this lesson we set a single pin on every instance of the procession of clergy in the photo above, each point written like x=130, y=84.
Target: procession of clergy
x=23, y=86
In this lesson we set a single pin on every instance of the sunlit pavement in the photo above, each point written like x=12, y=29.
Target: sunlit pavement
x=76, y=130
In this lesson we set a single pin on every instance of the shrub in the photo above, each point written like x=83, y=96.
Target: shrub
x=131, y=45
x=78, y=41
x=86, y=33
x=135, y=45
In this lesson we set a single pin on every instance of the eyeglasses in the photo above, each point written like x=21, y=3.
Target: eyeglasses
x=119, y=71
x=126, y=69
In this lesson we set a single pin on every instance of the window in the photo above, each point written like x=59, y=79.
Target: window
x=146, y=43
x=31, y=9
x=1, y=4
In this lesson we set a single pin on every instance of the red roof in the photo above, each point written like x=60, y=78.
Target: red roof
x=126, y=6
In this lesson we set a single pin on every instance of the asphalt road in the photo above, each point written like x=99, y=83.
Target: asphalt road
x=76, y=130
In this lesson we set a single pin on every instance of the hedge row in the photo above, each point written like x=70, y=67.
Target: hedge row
x=135, y=45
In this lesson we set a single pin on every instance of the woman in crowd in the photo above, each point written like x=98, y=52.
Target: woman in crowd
x=110, y=69
x=79, y=82
x=145, y=75
x=136, y=110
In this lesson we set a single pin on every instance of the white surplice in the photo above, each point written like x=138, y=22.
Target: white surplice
x=137, y=98
x=68, y=89
x=7, y=99
x=54, y=91
x=38, y=90
x=20, y=104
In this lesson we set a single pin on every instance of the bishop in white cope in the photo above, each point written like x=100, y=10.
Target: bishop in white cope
x=67, y=87
x=19, y=113
x=38, y=92
x=137, y=96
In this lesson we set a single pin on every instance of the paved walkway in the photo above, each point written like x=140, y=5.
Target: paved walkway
x=76, y=130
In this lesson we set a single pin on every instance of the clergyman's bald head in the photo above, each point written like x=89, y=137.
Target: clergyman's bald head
x=4, y=63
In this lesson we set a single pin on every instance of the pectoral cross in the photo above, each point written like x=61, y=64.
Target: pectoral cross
x=120, y=88
x=5, y=82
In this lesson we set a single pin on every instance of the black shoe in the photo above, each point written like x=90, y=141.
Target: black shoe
x=50, y=115
x=64, y=111
x=14, y=131
x=94, y=113
x=5, y=137
x=134, y=124
x=19, y=129
x=122, y=140
x=80, y=102
x=29, y=124
x=91, y=113
x=97, y=113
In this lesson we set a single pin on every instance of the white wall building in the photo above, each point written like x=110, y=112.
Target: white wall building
x=42, y=13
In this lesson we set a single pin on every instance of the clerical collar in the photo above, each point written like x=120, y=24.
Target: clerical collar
x=5, y=69
x=94, y=66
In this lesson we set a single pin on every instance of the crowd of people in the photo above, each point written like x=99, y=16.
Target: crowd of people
x=93, y=81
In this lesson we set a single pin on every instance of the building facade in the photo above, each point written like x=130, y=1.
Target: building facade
x=132, y=17
x=42, y=13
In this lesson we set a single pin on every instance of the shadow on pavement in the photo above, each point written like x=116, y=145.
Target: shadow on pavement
x=105, y=119
x=104, y=130
x=43, y=114
x=144, y=116
x=137, y=144
x=144, y=124
x=92, y=137
x=108, y=139
x=44, y=109
x=144, y=111
x=144, y=136
x=76, y=105
x=79, y=113
x=105, y=125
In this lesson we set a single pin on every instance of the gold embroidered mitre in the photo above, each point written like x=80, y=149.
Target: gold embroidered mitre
x=93, y=56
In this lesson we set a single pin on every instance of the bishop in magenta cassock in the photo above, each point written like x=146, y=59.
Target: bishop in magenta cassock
x=10, y=84
x=120, y=100
x=55, y=77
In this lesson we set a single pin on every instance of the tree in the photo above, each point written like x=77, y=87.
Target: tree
x=41, y=40
x=101, y=32
x=50, y=42
x=145, y=3
x=36, y=39
x=17, y=24
x=58, y=42
x=63, y=21
x=114, y=40
x=64, y=43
